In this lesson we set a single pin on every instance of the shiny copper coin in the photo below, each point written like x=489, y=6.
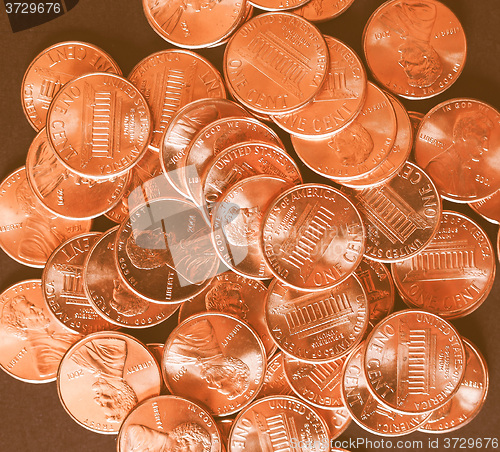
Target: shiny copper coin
x=317, y=384
x=243, y=160
x=237, y=224
x=458, y=145
x=398, y=155
x=313, y=237
x=337, y=421
x=367, y=411
x=278, y=423
x=357, y=149
x=169, y=423
x=215, y=138
x=452, y=275
x=62, y=281
x=277, y=5
x=236, y=295
x=275, y=382
x=194, y=24
x=488, y=208
x=338, y=101
x=220, y=356
x=183, y=127
x=170, y=79
x=53, y=68
x=415, y=49
x=65, y=193
x=99, y=125
x=401, y=216
x=317, y=327
x=414, y=361
x=103, y=377
x=110, y=296
x=29, y=233
x=164, y=252
x=468, y=400
x=32, y=343
x=322, y=10
x=275, y=63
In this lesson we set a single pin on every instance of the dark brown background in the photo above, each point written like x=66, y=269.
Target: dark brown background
x=31, y=417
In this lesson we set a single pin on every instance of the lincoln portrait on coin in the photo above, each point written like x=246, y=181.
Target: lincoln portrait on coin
x=126, y=303
x=352, y=145
x=226, y=297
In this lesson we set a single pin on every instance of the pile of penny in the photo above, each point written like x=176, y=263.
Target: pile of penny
x=284, y=288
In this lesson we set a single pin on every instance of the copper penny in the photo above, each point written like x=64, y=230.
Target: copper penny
x=243, y=160
x=488, y=208
x=322, y=10
x=275, y=63
x=313, y=237
x=32, y=343
x=277, y=5
x=237, y=224
x=468, y=400
x=99, y=125
x=170, y=79
x=183, y=127
x=338, y=101
x=367, y=411
x=215, y=138
x=317, y=384
x=53, y=68
x=236, y=295
x=110, y=296
x=415, y=49
x=357, y=149
x=220, y=356
x=194, y=23
x=452, y=275
x=164, y=252
x=169, y=423
x=317, y=327
x=275, y=382
x=458, y=145
x=414, y=361
x=103, y=376
x=62, y=281
x=65, y=193
x=29, y=233
x=278, y=423
x=401, y=216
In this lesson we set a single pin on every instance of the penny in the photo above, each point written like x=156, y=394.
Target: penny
x=468, y=400
x=183, y=127
x=32, y=343
x=243, y=160
x=488, y=208
x=313, y=237
x=416, y=50
x=99, y=125
x=65, y=193
x=275, y=382
x=358, y=148
x=322, y=10
x=401, y=216
x=167, y=423
x=275, y=423
x=29, y=233
x=236, y=295
x=220, y=356
x=277, y=5
x=452, y=275
x=367, y=411
x=338, y=101
x=458, y=145
x=414, y=361
x=215, y=138
x=317, y=384
x=164, y=252
x=62, y=282
x=317, y=327
x=194, y=24
x=170, y=79
x=53, y=68
x=275, y=63
x=103, y=376
x=237, y=224
x=109, y=295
